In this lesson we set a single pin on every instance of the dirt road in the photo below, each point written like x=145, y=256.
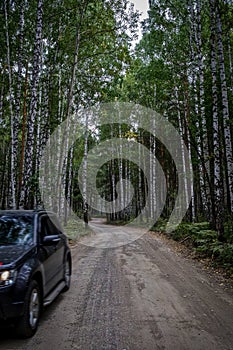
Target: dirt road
x=141, y=296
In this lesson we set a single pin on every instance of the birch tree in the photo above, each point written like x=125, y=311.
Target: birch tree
x=26, y=198
x=225, y=104
x=13, y=122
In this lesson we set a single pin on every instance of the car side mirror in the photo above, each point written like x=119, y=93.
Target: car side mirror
x=51, y=240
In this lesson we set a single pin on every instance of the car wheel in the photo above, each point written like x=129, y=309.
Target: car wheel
x=67, y=275
x=28, y=323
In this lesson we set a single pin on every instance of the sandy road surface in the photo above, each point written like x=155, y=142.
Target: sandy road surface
x=141, y=296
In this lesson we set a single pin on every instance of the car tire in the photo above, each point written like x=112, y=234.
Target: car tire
x=67, y=275
x=27, y=324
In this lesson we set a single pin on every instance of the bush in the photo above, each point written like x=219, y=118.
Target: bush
x=191, y=230
x=160, y=225
x=205, y=242
x=223, y=253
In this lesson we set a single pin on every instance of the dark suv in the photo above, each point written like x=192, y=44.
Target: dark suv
x=35, y=266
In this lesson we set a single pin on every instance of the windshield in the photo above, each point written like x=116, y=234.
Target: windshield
x=16, y=229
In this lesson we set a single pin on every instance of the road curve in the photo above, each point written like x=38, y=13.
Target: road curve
x=140, y=296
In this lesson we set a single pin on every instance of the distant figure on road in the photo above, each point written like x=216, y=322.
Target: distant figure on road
x=85, y=214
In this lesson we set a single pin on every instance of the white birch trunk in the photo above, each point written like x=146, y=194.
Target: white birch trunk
x=120, y=162
x=191, y=189
x=218, y=190
x=67, y=203
x=27, y=188
x=84, y=180
x=20, y=66
x=230, y=62
x=2, y=98
x=186, y=189
x=140, y=197
x=12, y=121
x=225, y=106
x=199, y=108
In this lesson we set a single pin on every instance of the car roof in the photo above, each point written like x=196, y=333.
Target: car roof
x=16, y=212
x=23, y=212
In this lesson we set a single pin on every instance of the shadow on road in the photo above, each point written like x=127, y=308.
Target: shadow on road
x=8, y=337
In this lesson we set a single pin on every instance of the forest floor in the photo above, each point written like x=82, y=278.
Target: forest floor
x=186, y=250
x=145, y=295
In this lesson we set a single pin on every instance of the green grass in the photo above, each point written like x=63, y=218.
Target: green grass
x=76, y=229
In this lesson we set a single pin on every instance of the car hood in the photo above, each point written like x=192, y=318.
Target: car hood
x=12, y=254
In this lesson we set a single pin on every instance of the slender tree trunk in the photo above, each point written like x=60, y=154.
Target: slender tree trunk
x=199, y=107
x=4, y=176
x=68, y=187
x=230, y=62
x=186, y=190
x=218, y=186
x=120, y=170
x=188, y=145
x=19, y=93
x=2, y=97
x=38, y=152
x=27, y=195
x=226, y=113
x=85, y=201
x=140, y=195
x=14, y=136
x=153, y=198
x=24, y=121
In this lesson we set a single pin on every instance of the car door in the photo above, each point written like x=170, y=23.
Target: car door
x=51, y=255
x=55, y=229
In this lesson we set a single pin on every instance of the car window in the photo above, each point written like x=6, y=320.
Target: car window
x=48, y=226
x=16, y=229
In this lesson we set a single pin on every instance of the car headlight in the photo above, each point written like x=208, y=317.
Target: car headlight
x=7, y=277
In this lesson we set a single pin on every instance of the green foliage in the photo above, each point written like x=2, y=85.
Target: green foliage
x=223, y=253
x=160, y=225
x=204, y=241
x=184, y=229
x=228, y=230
